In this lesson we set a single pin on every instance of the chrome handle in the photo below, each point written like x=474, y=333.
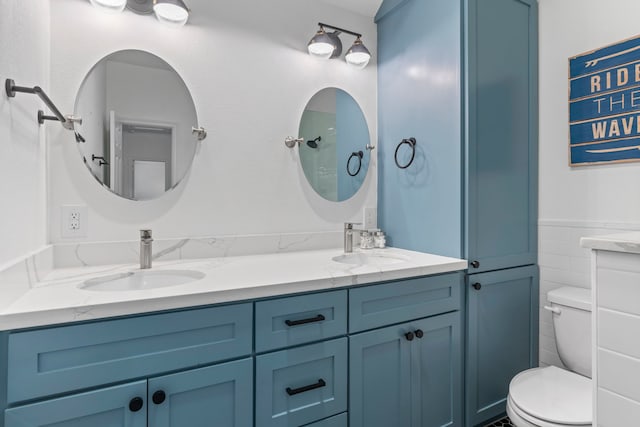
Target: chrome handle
x=554, y=310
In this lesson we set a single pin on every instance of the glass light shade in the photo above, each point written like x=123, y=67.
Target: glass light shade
x=358, y=55
x=110, y=5
x=321, y=46
x=172, y=12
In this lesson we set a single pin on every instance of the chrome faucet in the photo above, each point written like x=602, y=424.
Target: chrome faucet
x=145, y=249
x=348, y=235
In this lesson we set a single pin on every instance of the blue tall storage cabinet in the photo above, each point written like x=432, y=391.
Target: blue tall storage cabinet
x=461, y=78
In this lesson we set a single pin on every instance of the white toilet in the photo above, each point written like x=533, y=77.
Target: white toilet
x=554, y=397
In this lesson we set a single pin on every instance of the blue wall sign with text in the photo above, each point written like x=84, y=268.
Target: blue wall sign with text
x=604, y=105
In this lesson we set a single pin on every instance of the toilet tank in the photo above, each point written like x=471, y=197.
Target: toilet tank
x=571, y=312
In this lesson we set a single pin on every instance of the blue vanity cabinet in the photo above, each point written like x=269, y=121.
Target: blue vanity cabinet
x=502, y=311
x=407, y=374
x=405, y=369
x=461, y=78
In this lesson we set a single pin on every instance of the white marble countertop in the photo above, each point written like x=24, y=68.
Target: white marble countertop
x=56, y=297
x=619, y=242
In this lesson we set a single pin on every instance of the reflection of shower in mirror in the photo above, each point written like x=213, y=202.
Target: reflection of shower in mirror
x=313, y=143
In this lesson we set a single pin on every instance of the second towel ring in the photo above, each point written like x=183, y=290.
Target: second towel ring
x=412, y=143
x=358, y=155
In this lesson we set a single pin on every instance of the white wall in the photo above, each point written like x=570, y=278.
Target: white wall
x=587, y=200
x=246, y=65
x=24, y=43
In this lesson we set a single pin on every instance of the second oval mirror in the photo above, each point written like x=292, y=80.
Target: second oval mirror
x=137, y=118
x=334, y=154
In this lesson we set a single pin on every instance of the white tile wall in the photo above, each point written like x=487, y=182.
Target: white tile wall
x=564, y=263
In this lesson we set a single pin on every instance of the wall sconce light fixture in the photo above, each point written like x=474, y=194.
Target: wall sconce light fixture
x=171, y=12
x=326, y=45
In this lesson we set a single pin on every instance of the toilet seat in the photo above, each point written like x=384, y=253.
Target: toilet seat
x=520, y=418
x=551, y=397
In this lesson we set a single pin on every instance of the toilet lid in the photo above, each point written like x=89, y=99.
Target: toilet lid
x=554, y=395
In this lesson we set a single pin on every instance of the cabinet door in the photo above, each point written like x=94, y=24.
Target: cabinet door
x=380, y=378
x=502, y=140
x=414, y=381
x=502, y=336
x=219, y=395
x=121, y=406
x=436, y=372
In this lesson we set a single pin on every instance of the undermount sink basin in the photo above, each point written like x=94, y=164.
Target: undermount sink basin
x=371, y=258
x=141, y=280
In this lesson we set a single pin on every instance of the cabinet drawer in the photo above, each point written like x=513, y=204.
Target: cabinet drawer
x=290, y=321
x=380, y=305
x=337, y=421
x=57, y=360
x=301, y=385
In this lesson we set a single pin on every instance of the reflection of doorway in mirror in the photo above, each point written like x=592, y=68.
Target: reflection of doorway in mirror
x=148, y=179
x=134, y=142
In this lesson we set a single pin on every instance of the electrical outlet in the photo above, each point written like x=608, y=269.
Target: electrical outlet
x=74, y=221
x=370, y=218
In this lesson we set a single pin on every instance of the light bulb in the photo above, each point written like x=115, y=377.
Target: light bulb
x=174, y=13
x=110, y=5
x=321, y=46
x=358, y=55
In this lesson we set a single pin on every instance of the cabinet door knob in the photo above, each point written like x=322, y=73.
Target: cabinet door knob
x=409, y=336
x=475, y=264
x=136, y=404
x=477, y=286
x=419, y=333
x=158, y=397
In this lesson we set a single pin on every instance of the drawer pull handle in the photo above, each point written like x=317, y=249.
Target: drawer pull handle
x=158, y=397
x=419, y=333
x=136, y=404
x=318, y=318
x=409, y=336
x=319, y=384
x=477, y=286
x=475, y=264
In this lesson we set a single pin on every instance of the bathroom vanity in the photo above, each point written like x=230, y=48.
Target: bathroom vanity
x=615, y=270
x=266, y=340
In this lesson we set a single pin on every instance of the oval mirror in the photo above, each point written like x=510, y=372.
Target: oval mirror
x=334, y=154
x=137, y=118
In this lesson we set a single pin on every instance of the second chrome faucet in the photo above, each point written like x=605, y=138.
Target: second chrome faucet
x=348, y=235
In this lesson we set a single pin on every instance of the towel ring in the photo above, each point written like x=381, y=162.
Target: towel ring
x=358, y=155
x=412, y=143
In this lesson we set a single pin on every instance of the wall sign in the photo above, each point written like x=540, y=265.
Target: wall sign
x=604, y=105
